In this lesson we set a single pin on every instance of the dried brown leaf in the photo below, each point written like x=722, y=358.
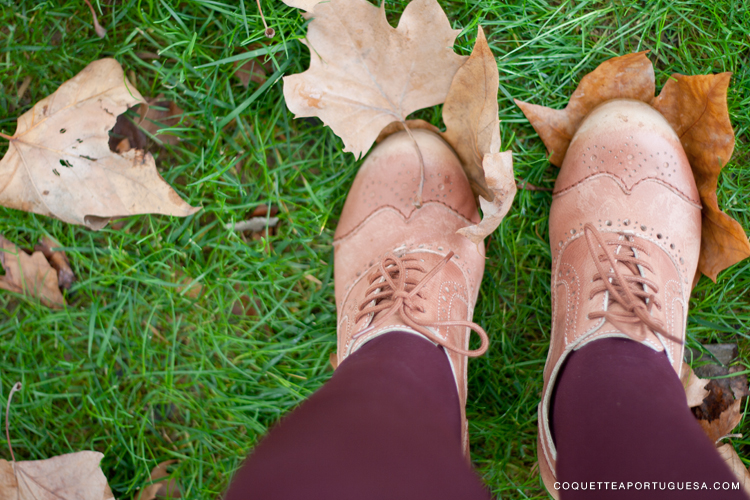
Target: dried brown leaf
x=75, y=476
x=364, y=74
x=162, y=489
x=58, y=260
x=727, y=453
x=253, y=70
x=498, y=172
x=696, y=107
x=30, y=275
x=59, y=162
x=720, y=427
x=471, y=116
x=626, y=77
x=695, y=387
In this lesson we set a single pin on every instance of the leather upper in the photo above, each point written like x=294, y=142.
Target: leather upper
x=379, y=218
x=626, y=174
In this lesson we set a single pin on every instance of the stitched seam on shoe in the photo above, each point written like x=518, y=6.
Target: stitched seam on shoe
x=618, y=180
x=399, y=212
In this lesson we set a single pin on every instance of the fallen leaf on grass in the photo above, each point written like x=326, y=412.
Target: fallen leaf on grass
x=722, y=426
x=695, y=387
x=473, y=130
x=59, y=162
x=191, y=288
x=727, y=453
x=29, y=275
x=132, y=129
x=75, y=476
x=394, y=127
x=364, y=74
x=58, y=260
x=696, y=107
x=162, y=489
x=253, y=70
x=626, y=77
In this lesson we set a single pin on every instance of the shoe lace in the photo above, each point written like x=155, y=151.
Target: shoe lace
x=394, y=289
x=624, y=283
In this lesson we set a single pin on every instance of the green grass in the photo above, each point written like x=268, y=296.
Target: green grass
x=139, y=370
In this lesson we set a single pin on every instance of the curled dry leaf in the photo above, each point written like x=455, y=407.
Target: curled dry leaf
x=75, y=476
x=162, y=489
x=727, y=453
x=696, y=107
x=498, y=172
x=626, y=77
x=470, y=114
x=59, y=162
x=695, y=387
x=473, y=130
x=364, y=74
x=30, y=275
x=58, y=260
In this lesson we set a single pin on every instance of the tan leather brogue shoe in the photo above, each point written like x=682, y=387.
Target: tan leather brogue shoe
x=625, y=232
x=402, y=268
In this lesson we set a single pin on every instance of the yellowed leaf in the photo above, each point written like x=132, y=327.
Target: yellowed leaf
x=727, y=453
x=75, y=476
x=696, y=107
x=59, y=162
x=626, y=77
x=470, y=114
x=498, y=172
x=159, y=488
x=695, y=387
x=30, y=275
x=364, y=74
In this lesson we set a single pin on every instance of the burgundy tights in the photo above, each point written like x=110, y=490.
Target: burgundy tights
x=620, y=415
x=387, y=426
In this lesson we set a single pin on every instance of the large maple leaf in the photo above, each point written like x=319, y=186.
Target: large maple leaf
x=364, y=74
x=59, y=162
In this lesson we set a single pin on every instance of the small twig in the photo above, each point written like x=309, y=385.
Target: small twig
x=269, y=31
x=530, y=187
x=15, y=388
x=100, y=32
x=738, y=436
x=418, y=199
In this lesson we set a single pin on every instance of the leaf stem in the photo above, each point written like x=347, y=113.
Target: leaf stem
x=15, y=388
x=270, y=32
x=7, y=137
x=418, y=199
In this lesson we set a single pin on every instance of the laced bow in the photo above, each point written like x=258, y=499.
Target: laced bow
x=393, y=289
x=628, y=290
